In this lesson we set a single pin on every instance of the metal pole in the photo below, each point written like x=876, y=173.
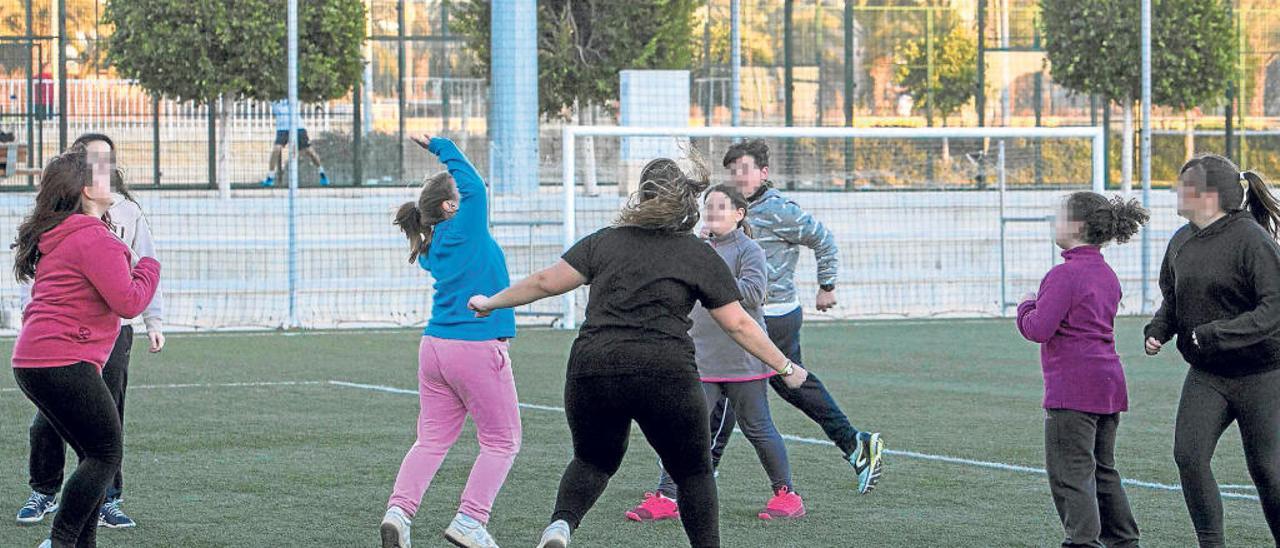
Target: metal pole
x=567, y=170
x=788, y=92
x=292, y=25
x=1004, y=297
x=1229, y=135
x=400, y=87
x=1039, y=99
x=31, y=107
x=357, y=135
x=735, y=62
x=706, y=71
x=849, y=62
x=155, y=139
x=444, y=66
x=1106, y=142
x=62, y=75
x=980, y=94
x=1146, y=148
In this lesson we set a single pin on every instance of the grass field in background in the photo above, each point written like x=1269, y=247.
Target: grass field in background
x=212, y=458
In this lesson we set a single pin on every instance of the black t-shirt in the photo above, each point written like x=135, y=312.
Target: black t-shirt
x=643, y=286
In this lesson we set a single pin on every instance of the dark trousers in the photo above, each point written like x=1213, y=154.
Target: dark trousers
x=1209, y=403
x=749, y=402
x=76, y=402
x=1079, y=451
x=49, y=452
x=673, y=417
x=812, y=398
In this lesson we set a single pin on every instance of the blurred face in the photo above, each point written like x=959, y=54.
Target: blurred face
x=1066, y=232
x=1194, y=196
x=719, y=217
x=745, y=175
x=102, y=164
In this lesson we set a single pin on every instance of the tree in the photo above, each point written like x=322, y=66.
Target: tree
x=223, y=51
x=1094, y=47
x=948, y=87
x=582, y=45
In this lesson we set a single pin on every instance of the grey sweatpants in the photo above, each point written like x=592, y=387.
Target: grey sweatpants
x=750, y=403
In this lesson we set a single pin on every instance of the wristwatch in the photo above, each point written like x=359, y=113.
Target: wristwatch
x=827, y=287
x=789, y=369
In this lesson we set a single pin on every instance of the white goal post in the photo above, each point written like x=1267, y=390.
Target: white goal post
x=570, y=134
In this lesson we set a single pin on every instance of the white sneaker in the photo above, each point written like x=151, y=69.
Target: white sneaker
x=46, y=544
x=555, y=535
x=395, y=528
x=468, y=532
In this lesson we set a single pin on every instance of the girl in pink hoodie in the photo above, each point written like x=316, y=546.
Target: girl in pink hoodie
x=83, y=285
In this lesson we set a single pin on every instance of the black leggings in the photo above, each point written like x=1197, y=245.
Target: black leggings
x=77, y=403
x=49, y=452
x=672, y=416
x=1208, y=405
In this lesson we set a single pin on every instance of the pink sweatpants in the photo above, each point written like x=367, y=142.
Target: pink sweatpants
x=457, y=378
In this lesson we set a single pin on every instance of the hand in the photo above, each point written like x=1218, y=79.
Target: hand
x=705, y=233
x=423, y=140
x=1153, y=346
x=796, y=378
x=480, y=305
x=157, y=341
x=826, y=300
x=1030, y=296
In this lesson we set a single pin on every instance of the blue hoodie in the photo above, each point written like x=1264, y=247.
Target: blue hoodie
x=465, y=260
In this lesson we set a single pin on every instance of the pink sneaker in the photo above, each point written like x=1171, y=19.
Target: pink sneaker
x=784, y=504
x=654, y=508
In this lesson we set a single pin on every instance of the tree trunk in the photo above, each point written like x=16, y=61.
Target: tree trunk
x=1126, y=149
x=1189, y=140
x=224, y=152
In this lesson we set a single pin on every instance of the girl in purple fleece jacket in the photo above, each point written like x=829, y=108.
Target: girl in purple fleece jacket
x=1084, y=390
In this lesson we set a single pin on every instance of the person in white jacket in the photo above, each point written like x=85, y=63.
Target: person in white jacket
x=48, y=450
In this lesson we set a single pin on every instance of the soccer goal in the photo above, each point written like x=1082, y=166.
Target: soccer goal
x=930, y=222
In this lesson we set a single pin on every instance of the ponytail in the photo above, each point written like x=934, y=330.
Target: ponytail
x=418, y=220
x=1261, y=203
x=409, y=219
x=1106, y=220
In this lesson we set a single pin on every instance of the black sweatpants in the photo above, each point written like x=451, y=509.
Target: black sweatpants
x=49, y=452
x=673, y=418
x=77, y=403
x=1208, y=404
x=1079, y=451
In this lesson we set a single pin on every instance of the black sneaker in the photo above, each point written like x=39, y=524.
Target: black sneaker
x=111, y=516
x=36, y=507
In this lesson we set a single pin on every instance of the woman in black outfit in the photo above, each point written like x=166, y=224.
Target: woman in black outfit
x=1221, y=285
x=633, y=358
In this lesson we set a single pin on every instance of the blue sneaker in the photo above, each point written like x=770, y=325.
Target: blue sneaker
x=36, y=507
x=112, y=517
x=324, y=179
x=867, y=461
x=268, y=182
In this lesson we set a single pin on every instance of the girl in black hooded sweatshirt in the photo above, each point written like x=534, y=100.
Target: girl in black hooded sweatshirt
x=1220, y=280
